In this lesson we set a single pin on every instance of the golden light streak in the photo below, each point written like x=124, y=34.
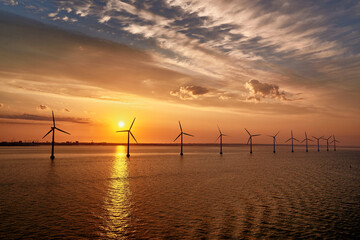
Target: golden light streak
x=117, y=203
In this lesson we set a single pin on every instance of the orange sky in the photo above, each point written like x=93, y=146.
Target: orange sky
x=93, y=82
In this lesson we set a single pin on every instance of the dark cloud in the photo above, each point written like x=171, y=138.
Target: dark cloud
x=42, y=107
x=189, y=92
x=45, y=118
x=265, y=90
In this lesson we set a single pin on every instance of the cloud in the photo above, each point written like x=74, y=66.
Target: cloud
x=42, y=107
x=104, y=19
x=45, y=118
x=52, y=14
x=10, y=2
x=189, y=92
x=264, y=90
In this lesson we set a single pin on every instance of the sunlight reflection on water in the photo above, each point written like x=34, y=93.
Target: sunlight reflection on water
x=117, y=202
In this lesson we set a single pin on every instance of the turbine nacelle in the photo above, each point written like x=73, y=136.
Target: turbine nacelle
x=292, y=137
x=182, y=133
x=53, y=128
x=220, y=134
x=251, y=135
x=129, y=131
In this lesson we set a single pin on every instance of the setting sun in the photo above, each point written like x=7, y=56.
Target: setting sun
x=121, y=124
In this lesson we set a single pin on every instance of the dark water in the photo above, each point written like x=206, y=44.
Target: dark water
x=95, y=192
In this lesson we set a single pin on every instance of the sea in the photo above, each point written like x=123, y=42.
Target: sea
x=96, y=192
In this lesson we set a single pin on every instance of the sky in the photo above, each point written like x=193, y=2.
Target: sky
x=263, y=65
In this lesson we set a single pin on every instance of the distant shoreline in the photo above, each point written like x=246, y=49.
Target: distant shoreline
x=8, y=144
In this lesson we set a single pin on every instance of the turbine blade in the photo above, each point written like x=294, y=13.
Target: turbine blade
x=305, y=135
x=296, y=139
x=123, y=131
x=270, y=136
x=291, y=134
x=247, y=131
x=132, y=124
x=277, y=134
x=47, y=133
x=180, y=126
x=225, y=135
x=177, y=137
x=53, y=118
x=329, y=137
x=310, y=140
x=248, y=140
x=218, y=138
x=314, y=137
x=256, y=135
x=62, y=131
x=303, y=141
x=133, y=136
x=219, y=129
x=288, y=140
x=189, y=134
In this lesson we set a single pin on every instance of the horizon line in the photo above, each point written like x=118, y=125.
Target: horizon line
x=34, y=143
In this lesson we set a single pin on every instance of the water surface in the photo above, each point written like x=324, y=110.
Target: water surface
x=96, y=192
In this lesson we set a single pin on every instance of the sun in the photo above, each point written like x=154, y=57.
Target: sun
x=121, y=124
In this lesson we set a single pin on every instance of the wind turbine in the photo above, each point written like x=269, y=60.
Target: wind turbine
x=250, y=139
x=53, y=128
x=274, y=138
x=327, y=143
x=306, y=139
x=128, y=137
x=292, y=141
x=334, y=141
x=181, y=134
x=318, y=140
x=220, y=136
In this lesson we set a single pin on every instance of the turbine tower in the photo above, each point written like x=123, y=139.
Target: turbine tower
x=327, y=143
x=128, y=137
x=274, y=139
x=53, y=128
x=306, y=139
x=292, y=141
x=334, y=141
x=181, y=134
x=220, y=136
x=318, y=140
x=250, y=139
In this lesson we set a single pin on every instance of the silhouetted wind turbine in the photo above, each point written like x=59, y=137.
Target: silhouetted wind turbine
x=250, y=139
x=318, y=140
x=128, y=137
x=292, y=141
x=306, y=139
x=181, y=134
x=53, y=128
x=274, y=138
x=220, y=136
x=334, y=141
x=327, y=143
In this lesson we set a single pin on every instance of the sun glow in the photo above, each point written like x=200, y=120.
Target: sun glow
x=121, y=124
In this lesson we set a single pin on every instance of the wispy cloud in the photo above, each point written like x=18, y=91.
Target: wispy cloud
x=225, y=45
x=42, y=107
x=33, y=117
